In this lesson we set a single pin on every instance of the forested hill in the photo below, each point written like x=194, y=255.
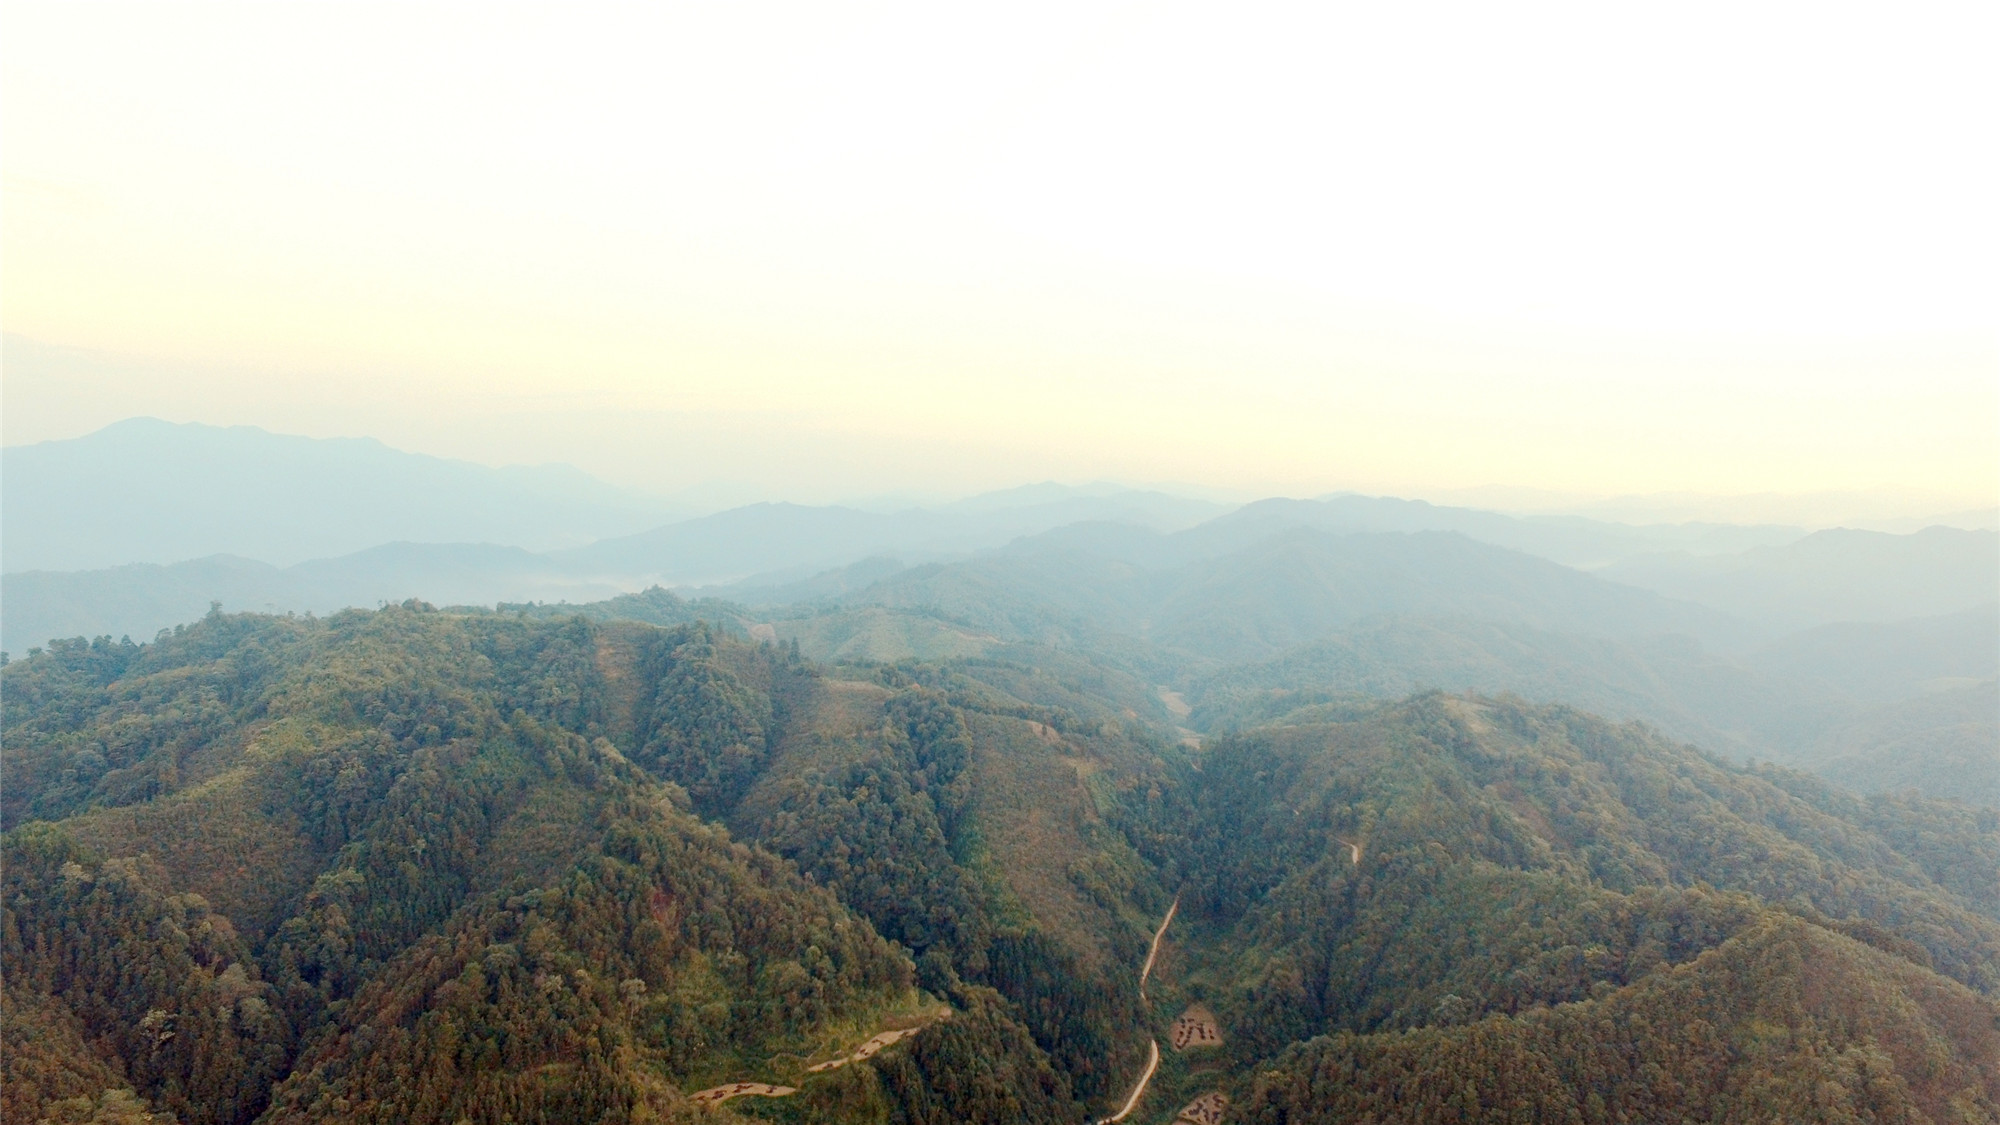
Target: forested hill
x=431, y=866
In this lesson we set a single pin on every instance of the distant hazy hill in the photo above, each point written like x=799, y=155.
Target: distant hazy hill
x=1302, y=615
x=773, y=543
x=1570, y=540
x=1877, y=661
x=1293, y=587
x=1673, y=683
x=1240, y=612
x=1944, y=743
x=141, y=599
x=1836, y=575
x=1777, y=578
x=147, y=491
x=773, y=549
x=1273, y=593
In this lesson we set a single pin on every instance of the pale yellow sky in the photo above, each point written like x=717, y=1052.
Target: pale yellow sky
x=1714, y=248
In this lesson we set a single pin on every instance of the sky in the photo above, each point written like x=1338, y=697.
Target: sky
x=815, y=251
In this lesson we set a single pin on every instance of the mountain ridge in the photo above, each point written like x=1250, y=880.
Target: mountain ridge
x=144, y=490
x=496, y=866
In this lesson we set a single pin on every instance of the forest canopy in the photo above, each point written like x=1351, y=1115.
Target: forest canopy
x=442, y=866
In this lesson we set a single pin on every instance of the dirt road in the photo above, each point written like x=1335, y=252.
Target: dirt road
x=1152, y=1045
x=1152, y=1064
x=1146, y=970
x=1353, y=850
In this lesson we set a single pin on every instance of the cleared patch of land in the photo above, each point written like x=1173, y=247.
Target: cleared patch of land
x=874, y=633
x=716, y=1095
x=1204, y=1110
x=1196, y=1027
x=617, y=660
x=873, y=1044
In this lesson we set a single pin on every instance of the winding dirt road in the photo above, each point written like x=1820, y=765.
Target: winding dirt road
x=1146, y=969
x=1353, y=850
x=1152, y=1064
x=1152, y=1045
x=883, y=1039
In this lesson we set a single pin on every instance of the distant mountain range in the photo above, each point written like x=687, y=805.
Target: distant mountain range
x=147, y=491
x=247, y=505
x=785, y=553
x=1833, y=575
x=767, y=544
x=1860, y=652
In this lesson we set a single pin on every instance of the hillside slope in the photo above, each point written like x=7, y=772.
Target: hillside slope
x=452, y=866
x=1469, y=909
x=423, y=880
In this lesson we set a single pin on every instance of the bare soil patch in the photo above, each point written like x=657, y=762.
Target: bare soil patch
x=1045, y=732
x=870, y=1047
x=1204, y=1110
x=716, y=1095
x=1196, y=1027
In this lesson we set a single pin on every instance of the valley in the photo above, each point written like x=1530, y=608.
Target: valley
x=1867, y=656
x=1052, y=564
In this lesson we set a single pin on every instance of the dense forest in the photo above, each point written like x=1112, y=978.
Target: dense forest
x=417, y=865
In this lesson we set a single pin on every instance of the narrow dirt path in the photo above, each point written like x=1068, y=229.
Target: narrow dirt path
x=1146, y=969
x=1152, y=1064
x=1353, y=850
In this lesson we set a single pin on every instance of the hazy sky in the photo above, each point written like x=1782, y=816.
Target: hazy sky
x=1396, y=247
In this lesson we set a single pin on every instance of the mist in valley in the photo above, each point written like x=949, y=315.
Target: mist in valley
x=890, y=565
